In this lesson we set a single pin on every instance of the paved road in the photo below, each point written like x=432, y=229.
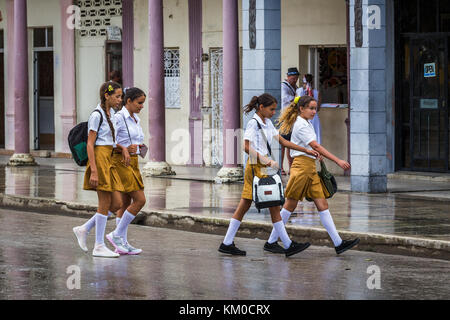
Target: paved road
x=36, y=251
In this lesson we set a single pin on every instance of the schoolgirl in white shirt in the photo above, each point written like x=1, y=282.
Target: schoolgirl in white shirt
x=304, y=180
x=101, y=176
x=256, y=147
x=129, y=133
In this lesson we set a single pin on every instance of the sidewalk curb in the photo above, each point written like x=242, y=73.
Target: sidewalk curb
x=372, y=242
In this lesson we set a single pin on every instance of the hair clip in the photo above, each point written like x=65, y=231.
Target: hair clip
x=296, y=99
x=110, y=88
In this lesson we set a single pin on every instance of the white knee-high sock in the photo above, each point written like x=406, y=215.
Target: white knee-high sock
x=281, y=230
x=231, y=232
x=124, y=223
x=91, y=222
x=285, y=215
x=100, y=226
x=327, y=222
x=117, y=221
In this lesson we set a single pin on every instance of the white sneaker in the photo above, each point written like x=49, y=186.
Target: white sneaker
x=100, y=250
x=132, y=250
x=117, y=243
x=81, y=235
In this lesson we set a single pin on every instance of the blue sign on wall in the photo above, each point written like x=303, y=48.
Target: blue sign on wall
x=429, y=70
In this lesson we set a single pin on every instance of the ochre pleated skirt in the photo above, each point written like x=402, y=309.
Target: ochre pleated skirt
x=304, y=180
x=258, y=168
x=130, y=176
x=108, y=177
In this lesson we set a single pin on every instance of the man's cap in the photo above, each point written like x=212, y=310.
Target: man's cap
x=293, y=72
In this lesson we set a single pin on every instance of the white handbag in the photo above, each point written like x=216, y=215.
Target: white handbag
x=268, y=191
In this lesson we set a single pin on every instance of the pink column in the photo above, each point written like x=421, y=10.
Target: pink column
x=231, y=94
x=22, y=130
x=69, y=110
x=195, y=79
x=156, y=100
x=127, y=43
x=9, y=126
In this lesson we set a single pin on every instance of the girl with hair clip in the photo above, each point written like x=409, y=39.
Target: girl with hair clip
x=101, y=175
x=308, y=90
x=129, y=133
x=304, y=180
x=256, y=147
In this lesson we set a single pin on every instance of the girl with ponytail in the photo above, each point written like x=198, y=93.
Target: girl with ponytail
x=255, y=145
x=101, y=175
x=304, y=180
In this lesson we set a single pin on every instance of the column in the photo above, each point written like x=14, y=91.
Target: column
x=368, y=97
x=156, y=102
x=127, y=43
x=68, y=87
x=261, y=66
x=195, y=82
x=231, y=171
x=9, y=112
x=22, y=156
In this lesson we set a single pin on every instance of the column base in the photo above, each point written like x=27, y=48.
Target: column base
x=229, y=174
x=21, y=160
x=157, y=169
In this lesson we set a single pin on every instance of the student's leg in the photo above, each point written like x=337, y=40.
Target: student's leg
x=282, y=159
x=279, y=227
x=236, y=219
x=138, y=202
x=292, y=247
x=288, y=208
x=290, y=159
x=126, y=201
x=327, y=220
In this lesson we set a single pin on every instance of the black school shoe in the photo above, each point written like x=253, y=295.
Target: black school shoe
x=346, y=244
x=231, y=249
x=273, y=247
x=296, y=248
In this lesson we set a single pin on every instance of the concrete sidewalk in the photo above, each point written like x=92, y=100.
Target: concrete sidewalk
x=403, y=221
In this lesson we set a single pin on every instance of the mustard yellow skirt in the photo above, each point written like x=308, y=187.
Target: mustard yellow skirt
x=130, y=176
x=247, y=192
x=304, y=180
x=108, y=177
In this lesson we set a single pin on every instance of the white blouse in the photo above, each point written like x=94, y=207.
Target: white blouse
x=302, y=135
x=136, y=133
x=104, y=137
x=254, y=135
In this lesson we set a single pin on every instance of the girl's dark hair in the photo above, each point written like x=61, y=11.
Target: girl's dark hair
x=132, y=93
x=308, y=77
x=265, y=99
x=109, y=88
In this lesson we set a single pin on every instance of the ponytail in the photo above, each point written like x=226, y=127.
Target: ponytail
x=265, y=99
x=290, y=114
x=108, y=88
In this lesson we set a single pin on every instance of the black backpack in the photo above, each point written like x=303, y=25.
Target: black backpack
x=78, y=137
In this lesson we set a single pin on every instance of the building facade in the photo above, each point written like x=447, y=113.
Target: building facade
x=201, y=61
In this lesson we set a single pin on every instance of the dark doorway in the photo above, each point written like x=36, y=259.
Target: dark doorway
x=423, y=88
x=44, y=111
x=113, y=68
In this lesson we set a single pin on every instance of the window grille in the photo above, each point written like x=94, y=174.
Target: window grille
x=172, y=77
x=96, y=15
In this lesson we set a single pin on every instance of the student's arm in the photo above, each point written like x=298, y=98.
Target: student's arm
x=93, y=181
x=125, y=155
x=290, y=145
x=341, y=163
x=253, y=154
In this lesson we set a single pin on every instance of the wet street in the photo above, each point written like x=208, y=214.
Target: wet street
x=38, y=250
x=191, y=193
